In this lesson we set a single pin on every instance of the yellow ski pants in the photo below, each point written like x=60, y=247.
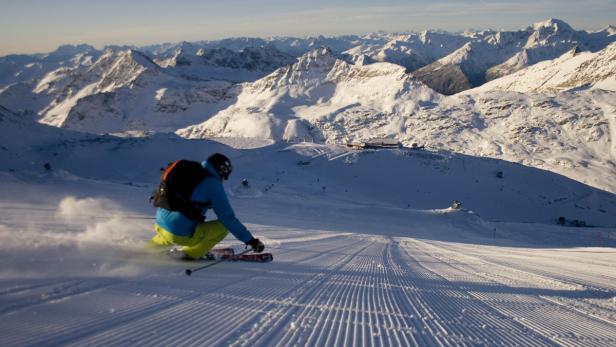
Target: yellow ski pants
x=205, y=237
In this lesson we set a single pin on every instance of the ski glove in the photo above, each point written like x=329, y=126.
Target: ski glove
x=256, y=244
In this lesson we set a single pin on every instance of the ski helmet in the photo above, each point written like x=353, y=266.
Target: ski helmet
x=221, y=164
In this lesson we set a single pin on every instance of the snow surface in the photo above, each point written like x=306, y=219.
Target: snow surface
x=366, y=250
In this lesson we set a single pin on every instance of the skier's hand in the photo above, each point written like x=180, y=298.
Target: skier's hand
x=256, y=244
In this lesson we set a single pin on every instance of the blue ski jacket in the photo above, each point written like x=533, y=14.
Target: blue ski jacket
x=211, y=192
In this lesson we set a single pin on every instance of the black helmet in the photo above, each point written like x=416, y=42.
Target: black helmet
x=221, y=164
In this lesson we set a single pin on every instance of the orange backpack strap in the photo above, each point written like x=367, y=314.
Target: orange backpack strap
x=167, y=170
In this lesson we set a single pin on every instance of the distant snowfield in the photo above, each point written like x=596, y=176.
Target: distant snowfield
x=366, y=251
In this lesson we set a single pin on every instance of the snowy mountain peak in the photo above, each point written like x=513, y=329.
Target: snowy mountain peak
x=186, y=47
x=552, y=24
x=321, y=57
x=130, y=56
x=424, y=36
x=552, y=32
x=610, y=30
x=573, y=69
x=71, y=90
x=459, y=55
x=140, y=58
x=72, y=50
x=122, y=68
x=111, y=70
x=181, y=57
x=183, y=54
x=311, y=68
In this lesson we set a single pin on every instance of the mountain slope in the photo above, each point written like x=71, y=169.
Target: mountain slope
x=572, y=70
x=490, y=55
x=318, y=89
x=21, y=137
x=126, y=91
x=347, y=234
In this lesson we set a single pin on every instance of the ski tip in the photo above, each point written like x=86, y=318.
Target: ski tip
x=188, y=272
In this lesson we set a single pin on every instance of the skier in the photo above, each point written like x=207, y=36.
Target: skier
x=197, y=237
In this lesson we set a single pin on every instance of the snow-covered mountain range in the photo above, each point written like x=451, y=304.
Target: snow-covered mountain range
x=246, y=64
x=307, y=100
x=489, y=55
x=22, y=67
x=549, y=104
x=121, y=91
x=572, y=70
x=324, y=99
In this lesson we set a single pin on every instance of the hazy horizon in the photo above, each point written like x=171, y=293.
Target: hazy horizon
x=33, y=26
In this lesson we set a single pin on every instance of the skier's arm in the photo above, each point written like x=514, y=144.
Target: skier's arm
x=224, y=211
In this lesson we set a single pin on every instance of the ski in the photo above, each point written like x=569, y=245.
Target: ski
x=214, y=254
x=252, y=257
x=244, y=256
x=230, y=255
x=218, y=252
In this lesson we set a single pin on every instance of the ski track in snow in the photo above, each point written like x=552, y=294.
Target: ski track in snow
x=326, y=289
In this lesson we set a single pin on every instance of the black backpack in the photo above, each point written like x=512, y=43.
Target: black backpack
x=177, y=183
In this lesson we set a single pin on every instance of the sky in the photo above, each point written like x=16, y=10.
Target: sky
x=37, y=26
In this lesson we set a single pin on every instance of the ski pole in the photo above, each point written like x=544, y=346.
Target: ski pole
x=189, y=272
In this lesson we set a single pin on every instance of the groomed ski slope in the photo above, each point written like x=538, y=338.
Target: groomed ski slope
x=327, y=288
x=347, y=271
